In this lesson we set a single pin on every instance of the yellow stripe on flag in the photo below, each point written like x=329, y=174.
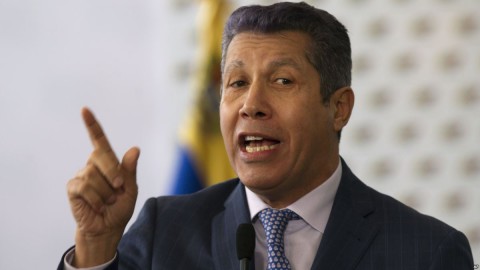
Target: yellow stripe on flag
x=201, y=131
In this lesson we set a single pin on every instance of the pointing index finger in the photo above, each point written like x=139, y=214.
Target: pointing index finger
x=103, y=156
x=95, y=131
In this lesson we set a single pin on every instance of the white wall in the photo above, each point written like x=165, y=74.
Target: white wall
x=121, y=58
x=131, y=61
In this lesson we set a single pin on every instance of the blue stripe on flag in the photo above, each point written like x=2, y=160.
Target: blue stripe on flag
x=187, y=179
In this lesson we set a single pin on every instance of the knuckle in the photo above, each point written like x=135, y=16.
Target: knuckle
x=71, y=186
x=90, y=172
x=78, y=188
x=94, y=155
x=111, y=172
x=94, y=201
x=82, y=188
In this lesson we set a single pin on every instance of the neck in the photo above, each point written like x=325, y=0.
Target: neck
x=285, y=196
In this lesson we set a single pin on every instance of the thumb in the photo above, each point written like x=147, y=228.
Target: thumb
x=130, y=160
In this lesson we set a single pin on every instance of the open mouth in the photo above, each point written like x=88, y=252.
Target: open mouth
x=253, y=144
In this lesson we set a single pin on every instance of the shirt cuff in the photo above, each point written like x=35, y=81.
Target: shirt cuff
x=67, y=262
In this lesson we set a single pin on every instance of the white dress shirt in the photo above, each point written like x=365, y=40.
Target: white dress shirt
x=302, y=237
x=67, y=263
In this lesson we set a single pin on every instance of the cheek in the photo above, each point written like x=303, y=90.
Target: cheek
x=299, y=117
x=311, y=125
x=227, y=126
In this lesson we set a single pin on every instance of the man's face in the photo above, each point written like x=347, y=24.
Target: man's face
x=280, y=137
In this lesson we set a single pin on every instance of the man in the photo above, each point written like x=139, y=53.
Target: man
x=286, y=72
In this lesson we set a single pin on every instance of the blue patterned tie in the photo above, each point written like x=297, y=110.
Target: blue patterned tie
x=274, y=222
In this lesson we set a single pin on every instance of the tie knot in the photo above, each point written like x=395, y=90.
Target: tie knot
x=276, y=219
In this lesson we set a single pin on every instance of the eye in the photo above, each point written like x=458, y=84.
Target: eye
x=238, y=84
x=283, y=81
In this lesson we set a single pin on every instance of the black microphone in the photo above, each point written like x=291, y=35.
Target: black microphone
x=245, y=244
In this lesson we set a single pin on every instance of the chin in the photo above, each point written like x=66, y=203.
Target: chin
x=257, y=182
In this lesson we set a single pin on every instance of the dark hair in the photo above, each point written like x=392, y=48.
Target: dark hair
x=329, y=52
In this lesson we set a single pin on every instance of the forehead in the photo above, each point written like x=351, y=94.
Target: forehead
x=285, y=46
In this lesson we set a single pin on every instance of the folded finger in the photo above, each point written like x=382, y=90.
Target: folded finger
x=108, y=166
x=91, y=186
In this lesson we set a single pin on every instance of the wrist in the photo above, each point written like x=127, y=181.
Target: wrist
x=94, y=250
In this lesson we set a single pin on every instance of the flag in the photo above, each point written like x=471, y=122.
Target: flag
x=202, y=160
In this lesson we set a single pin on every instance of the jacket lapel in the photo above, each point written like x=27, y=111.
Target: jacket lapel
x=224, y=229
x=348, y=232
x=347, y=235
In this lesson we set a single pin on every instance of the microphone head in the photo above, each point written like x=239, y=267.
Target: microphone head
x=245, y=241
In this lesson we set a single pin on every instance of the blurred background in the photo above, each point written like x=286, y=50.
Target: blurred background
x=147, y=69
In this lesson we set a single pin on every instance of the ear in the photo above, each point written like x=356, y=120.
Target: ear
x=341, y=103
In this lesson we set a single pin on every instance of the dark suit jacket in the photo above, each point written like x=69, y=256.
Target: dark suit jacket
x=366, y=230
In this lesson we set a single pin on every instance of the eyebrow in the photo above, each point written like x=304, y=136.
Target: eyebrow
x=236, y=64
x=284, y=62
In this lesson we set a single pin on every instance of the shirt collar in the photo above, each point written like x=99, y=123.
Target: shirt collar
x=314, y=207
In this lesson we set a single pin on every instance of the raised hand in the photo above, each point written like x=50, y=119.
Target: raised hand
x=102, y=198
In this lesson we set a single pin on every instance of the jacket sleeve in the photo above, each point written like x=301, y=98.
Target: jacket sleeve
x=136, y=247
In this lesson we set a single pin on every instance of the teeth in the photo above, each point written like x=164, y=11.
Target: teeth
x=253, y=149
x=253, y=138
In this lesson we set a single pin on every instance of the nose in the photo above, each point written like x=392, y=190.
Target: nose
x=256, y=104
